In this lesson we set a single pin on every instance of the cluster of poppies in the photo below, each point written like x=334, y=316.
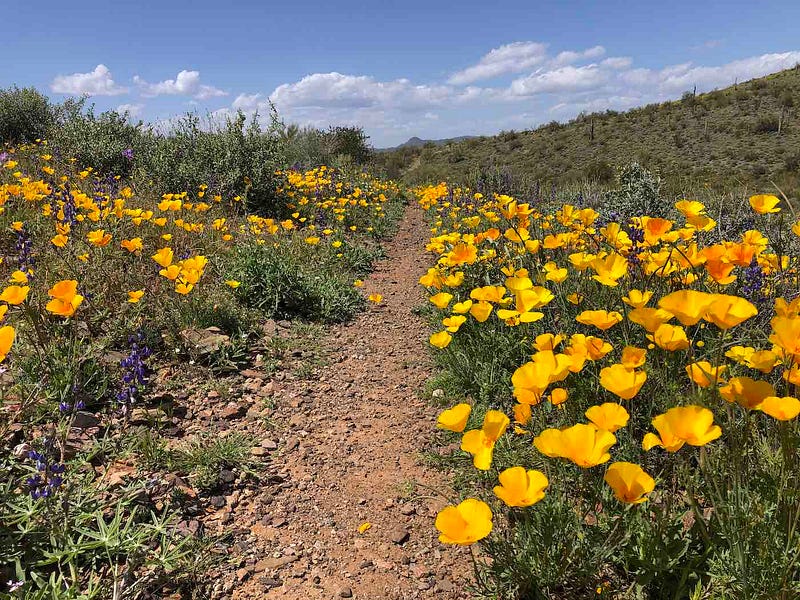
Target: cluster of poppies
x=611, y=306
x=91, y=241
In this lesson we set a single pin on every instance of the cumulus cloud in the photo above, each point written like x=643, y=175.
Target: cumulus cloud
x=186, y=83
x=570, y=56
x=561, y=85
x=563, y=79
x=509, y=58
x=132, y=110
x=95, y=83
x=685, y=76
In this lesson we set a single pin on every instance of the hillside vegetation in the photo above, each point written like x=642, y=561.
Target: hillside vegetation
x=744, y=135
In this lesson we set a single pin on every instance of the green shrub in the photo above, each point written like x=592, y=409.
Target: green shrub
x=637, y=193
x=25, y=115
x=98, y=141
x=292, y=281
x=234, y=157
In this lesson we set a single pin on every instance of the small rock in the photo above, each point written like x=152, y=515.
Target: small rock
x=399, y=535
x=270, y=564
x=407, y=510
x=233, y=411
x=345, y=592
x=226, y=476
x=269, y=444
x=438, y=393
x=84, y=420
x=217, y=501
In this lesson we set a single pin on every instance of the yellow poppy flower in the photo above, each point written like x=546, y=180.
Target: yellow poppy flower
x=465, y=523
x=480, y=442
x=693, y=425
x=621, y=381
x=15, y=294
x=584, y=445
x=609, y=416
x=519, y=487
x=629, y=481
x=455, y=418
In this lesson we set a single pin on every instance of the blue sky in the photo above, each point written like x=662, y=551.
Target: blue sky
x=431, y=69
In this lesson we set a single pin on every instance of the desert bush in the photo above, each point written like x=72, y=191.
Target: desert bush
x=234, y=157
x=25, y=115
x=106, y=142
x=291, y=281
x=636, y=193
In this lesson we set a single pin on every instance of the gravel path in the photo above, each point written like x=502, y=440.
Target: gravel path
x=349, y=455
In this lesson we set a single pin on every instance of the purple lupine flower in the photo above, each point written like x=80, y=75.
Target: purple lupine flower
x=3, y=156
x=48, y=479
x=753, y=281
x=134, y=371
x=24, y=248
x=128, y=153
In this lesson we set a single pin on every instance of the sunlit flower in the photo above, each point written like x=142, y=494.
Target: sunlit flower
x=622, y=381
x=7, y=335
x=602, y=319
x=633, y=357
x=637, y=299
x=746, y=392
x=135, y=296
x=693, y=425
x=629, y=482
x=455, y=418
x=480, y=442
x=464, y=524
x=132, y=245
x=441, y=300
x=65, y=298
x=609, y=416
x=704, y=374
x=728, y=311
x=232, y=283
x=671, y=337
x=585, y=445
x=440, y=339
x=15, y=294
x=689, y=306
x=782, y=409
x=519, y=487
x=765, y=203
x=163, y=257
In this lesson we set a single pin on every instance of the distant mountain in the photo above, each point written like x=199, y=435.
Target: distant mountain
x=416, y=142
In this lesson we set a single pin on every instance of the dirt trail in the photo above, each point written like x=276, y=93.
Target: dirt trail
x=351, y=452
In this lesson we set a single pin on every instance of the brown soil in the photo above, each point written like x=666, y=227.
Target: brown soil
x=349, y=454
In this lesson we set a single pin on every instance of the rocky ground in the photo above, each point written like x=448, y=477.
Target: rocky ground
x=337, y=430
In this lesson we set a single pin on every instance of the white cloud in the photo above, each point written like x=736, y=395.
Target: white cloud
x=187, y=83
x=389, y=110
x=133, y=110
x=95, y=83
x=569, y=56
x=563, y=79
x=685, y=76
x=509, y=58
x=335, y=90
x=617, y=62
